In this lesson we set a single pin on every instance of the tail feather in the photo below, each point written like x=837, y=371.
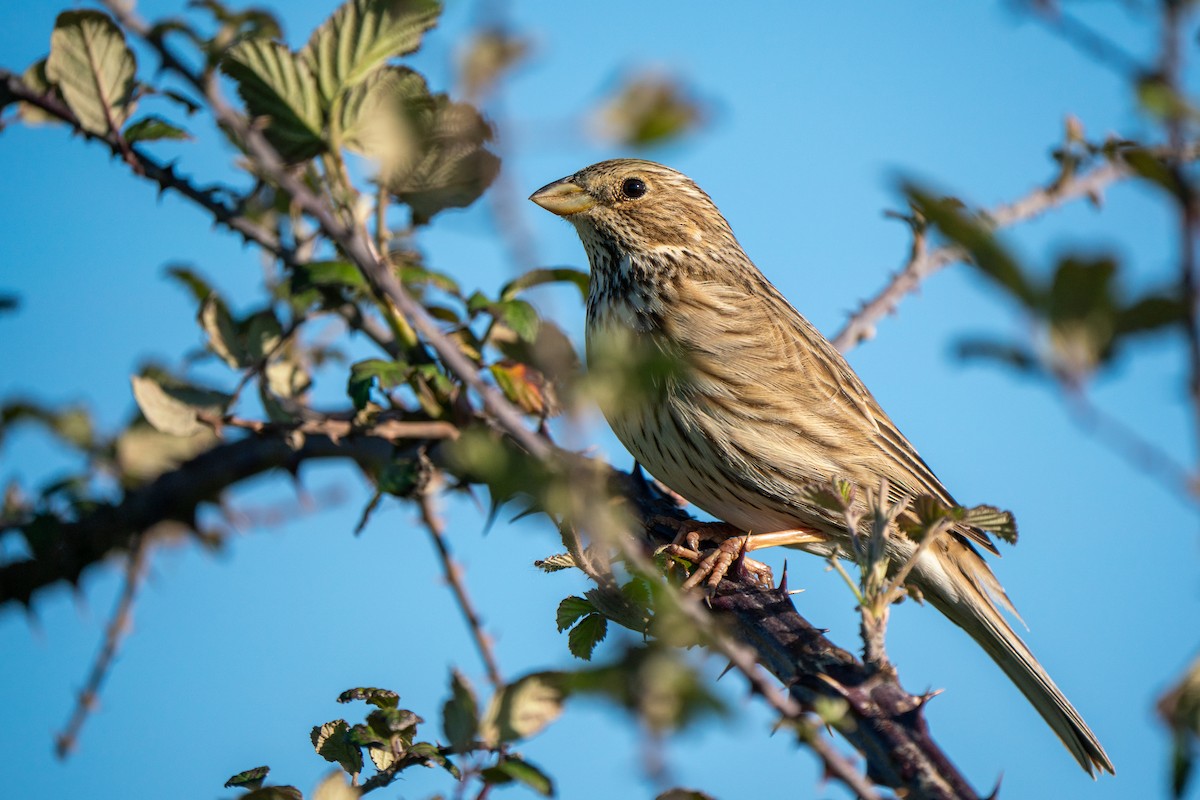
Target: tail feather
x=969, y=605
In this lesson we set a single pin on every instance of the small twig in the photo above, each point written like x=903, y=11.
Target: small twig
x=114, y=634
x=453, y=573
x=923, y=262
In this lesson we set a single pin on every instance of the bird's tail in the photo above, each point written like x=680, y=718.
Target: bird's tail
x=971, y=604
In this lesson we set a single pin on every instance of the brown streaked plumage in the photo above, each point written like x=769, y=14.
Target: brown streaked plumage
x=761, y=403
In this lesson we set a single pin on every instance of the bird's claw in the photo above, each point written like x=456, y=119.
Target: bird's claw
x=711, y=566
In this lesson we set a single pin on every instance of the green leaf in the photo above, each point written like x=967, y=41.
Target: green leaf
x=584, y=637
x=250, y=779
x=460, y=714
x=380, y=698
x=94, y=70
x=1016, y=356
x=1150, y=314
x=35, y=78
x=519, y=316
x=144, y=453
x=277, y=85
x=538, y=277
x=977, y=239
x=334, y=787
x=515, y=769
x=449, y=166
x=197, y=286
x=152, y=128
x=365, y=374
x=223, y=336
x=167, y=414
x=571, y=609
x=373, y=118
x=333, y=743
x=261, y=334
x=404, y=478
x=327, y=274
x=360, y=36
x=650, y=110
x=996, y=521
x=523, y=708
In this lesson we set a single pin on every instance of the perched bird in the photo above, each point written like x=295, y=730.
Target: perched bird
x=761, y=405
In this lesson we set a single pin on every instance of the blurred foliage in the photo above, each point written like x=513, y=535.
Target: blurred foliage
x=648, y=110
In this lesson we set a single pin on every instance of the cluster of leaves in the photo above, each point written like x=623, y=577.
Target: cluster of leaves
x=654, y=683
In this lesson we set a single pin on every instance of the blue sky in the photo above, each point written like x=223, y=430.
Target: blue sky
x=815, y=109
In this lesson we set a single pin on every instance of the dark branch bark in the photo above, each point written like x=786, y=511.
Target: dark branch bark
x=64, y=549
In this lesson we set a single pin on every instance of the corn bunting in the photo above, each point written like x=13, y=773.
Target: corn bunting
x=760, y=405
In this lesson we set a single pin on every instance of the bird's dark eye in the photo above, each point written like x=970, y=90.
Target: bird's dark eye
x=633, y=188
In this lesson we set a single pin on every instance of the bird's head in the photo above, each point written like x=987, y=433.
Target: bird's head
x=637, y=208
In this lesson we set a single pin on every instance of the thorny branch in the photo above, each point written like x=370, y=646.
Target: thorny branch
x=923, y=262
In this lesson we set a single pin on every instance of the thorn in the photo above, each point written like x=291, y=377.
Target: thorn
x=783, y=579
x=996, y=789
x=726, y=671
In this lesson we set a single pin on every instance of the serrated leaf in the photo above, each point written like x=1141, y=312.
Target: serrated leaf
x=249, y=779
x=167, y=414
x=522, y=709
x=223, y=335
x=449, y=166
x=332, y=742
x=35, y=78
x=373, y=119
x=996, y=521
x=460, y=714
x=275, y=84
x=584, y=637
x=515, y=769
x=360, y=36
x=555, y=563
x=334, y=787
x=380, y=698
x=382, y=757
x=93, y=69
x=152, y=128
x=391, y=723
x=571, y=609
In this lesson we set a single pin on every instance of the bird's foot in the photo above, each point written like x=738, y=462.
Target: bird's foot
x=710, y=566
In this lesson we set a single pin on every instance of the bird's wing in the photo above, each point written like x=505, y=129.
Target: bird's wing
x=758, y=359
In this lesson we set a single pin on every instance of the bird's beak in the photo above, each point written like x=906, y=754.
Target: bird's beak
x=563, y=197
